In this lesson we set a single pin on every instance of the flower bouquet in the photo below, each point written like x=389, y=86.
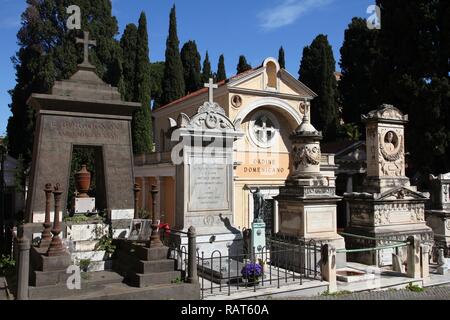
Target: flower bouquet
x=252, y=272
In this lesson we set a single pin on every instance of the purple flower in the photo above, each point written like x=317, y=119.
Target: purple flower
x=251, y=271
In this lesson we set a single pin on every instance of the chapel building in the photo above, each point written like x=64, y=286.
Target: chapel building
x=269, y=103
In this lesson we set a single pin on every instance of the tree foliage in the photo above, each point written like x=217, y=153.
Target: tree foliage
x=242, y=65
x=190, y=57
x=317, y=70
x=173, y=86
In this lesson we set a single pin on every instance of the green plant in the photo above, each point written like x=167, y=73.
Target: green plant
x=337, y=293
x=144, y=214
x=105, y=244
x=7, y=265
x=76, y=219
x=177, y=280
x=84, y=264
x=414, y=288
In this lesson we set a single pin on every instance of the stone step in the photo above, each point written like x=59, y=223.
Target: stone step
x=181, y=291
x=149, y=254
x=48, y=278
x=149, y=279
x=129, y=261
x=95, y=282
x=145, y=267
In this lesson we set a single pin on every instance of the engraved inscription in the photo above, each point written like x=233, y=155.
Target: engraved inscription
x=208, y=187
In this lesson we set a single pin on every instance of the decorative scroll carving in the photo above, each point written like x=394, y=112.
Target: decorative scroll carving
x=306, y=155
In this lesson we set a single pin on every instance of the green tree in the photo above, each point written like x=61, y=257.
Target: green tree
x=48, y=52
x=317, y=72
x=360, y=56
x=173, y=86
x=243, y=65
x=221, y=73
x=142, y=120
x=191, y=66
x=206, y=70
x=415, y=55
x=157, y=76
x=281, y=59
x=128, y=42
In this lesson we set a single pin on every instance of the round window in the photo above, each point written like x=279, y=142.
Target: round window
x=263, y=129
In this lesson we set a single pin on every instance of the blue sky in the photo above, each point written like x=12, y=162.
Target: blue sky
x=255, y=28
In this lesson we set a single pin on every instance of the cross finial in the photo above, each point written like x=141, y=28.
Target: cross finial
x=211, y=87
x=86, y=43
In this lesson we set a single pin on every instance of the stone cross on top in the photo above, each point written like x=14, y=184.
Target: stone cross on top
x=211, y=87
x=86, y=43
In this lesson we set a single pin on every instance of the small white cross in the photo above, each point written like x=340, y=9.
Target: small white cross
x=211, y=87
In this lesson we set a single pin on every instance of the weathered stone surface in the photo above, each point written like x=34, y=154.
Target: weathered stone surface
x=82, y=111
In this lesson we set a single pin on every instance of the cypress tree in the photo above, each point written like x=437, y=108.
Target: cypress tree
x=206, y=71
x=191, y=66
x=157, y=76
x=142, y=120
x=317, y=72
x=173, y=86
x=221, y=73
x=281, y=59
x=360, y=54
x=243, y=65
x=128, y=42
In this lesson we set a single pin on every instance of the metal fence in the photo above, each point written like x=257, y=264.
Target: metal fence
x=283, y=261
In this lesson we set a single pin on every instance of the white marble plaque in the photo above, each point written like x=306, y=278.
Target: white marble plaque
x=84, y=205
x=208, y=187
x=320, y=219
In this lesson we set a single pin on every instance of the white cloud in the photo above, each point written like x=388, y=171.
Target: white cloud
x=288, y=12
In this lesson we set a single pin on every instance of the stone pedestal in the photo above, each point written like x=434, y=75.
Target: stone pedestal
x=84, y=238
x=309, y=213
x=204, y=179
x=307, y=203
x=438, y=212
x=388, y=208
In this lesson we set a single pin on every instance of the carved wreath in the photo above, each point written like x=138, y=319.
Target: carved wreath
x=306, y=156
x=392, y=156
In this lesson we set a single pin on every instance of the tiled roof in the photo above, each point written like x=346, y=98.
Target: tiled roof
x=205, y=90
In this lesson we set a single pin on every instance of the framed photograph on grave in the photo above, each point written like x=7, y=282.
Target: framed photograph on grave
x=140, y=229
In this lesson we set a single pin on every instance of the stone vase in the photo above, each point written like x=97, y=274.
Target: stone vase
x=83, y=182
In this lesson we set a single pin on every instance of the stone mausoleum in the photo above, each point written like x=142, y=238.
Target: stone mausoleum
x=386, y=207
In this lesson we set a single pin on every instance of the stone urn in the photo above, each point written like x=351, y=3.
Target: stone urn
x=83, y=182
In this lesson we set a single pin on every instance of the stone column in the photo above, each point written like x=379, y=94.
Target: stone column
x=46, y=237
x=425, y=259
x=137, y=192
x=413, y=258
x=349, y=188
x=23, y=270
x=155, y=240
x=56, y=246
x=192, y=256
x=328, y=267
x=158, y=195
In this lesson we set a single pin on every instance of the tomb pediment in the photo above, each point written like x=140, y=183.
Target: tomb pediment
x=401, y=193
x=385, y=112
x=269, y=77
